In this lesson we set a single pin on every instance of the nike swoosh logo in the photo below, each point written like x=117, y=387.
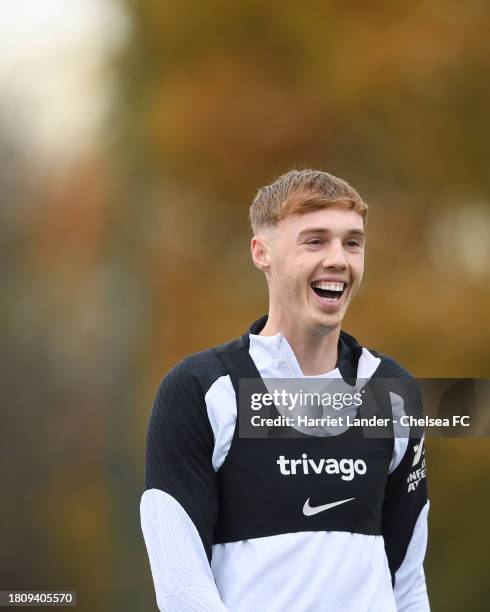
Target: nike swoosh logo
x=309, y=511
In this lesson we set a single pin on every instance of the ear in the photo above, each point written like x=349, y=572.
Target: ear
x=260, y=253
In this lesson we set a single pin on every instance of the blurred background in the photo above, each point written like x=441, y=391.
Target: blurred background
x=133, y=137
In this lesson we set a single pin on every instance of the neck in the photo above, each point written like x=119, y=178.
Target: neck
x=316, y=351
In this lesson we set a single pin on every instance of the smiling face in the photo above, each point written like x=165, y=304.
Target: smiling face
x=314, y=264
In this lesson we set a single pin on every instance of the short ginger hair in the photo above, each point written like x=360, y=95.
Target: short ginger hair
x=301, y=191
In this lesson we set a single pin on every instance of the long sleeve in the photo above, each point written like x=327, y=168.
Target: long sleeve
x=406, y=506
x=405, y=528
x=179, y=505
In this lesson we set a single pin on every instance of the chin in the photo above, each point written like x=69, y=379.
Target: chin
x=326, y=322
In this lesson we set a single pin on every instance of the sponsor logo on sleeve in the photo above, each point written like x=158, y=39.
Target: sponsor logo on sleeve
x=418, y=474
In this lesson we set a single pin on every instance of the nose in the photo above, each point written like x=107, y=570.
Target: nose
x=334, y=258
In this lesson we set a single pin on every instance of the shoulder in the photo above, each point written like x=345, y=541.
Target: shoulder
x=195, y=373
x=179, y=408
x=398, y=378
x=389, y=368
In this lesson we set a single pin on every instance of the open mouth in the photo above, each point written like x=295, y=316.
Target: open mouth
x=329, y=290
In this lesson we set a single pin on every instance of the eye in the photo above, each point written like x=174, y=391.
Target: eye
x=314, y=241
x=353, y=243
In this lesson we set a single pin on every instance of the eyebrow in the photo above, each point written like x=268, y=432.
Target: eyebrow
x=323, y=230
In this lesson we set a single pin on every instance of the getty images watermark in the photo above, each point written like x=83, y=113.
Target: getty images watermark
x=381, y=407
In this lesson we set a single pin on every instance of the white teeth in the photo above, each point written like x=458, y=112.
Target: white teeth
x=328, y=286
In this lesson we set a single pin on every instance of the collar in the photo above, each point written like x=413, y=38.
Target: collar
x=349, y=351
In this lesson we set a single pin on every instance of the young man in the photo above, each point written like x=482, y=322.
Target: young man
x=227, y=524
